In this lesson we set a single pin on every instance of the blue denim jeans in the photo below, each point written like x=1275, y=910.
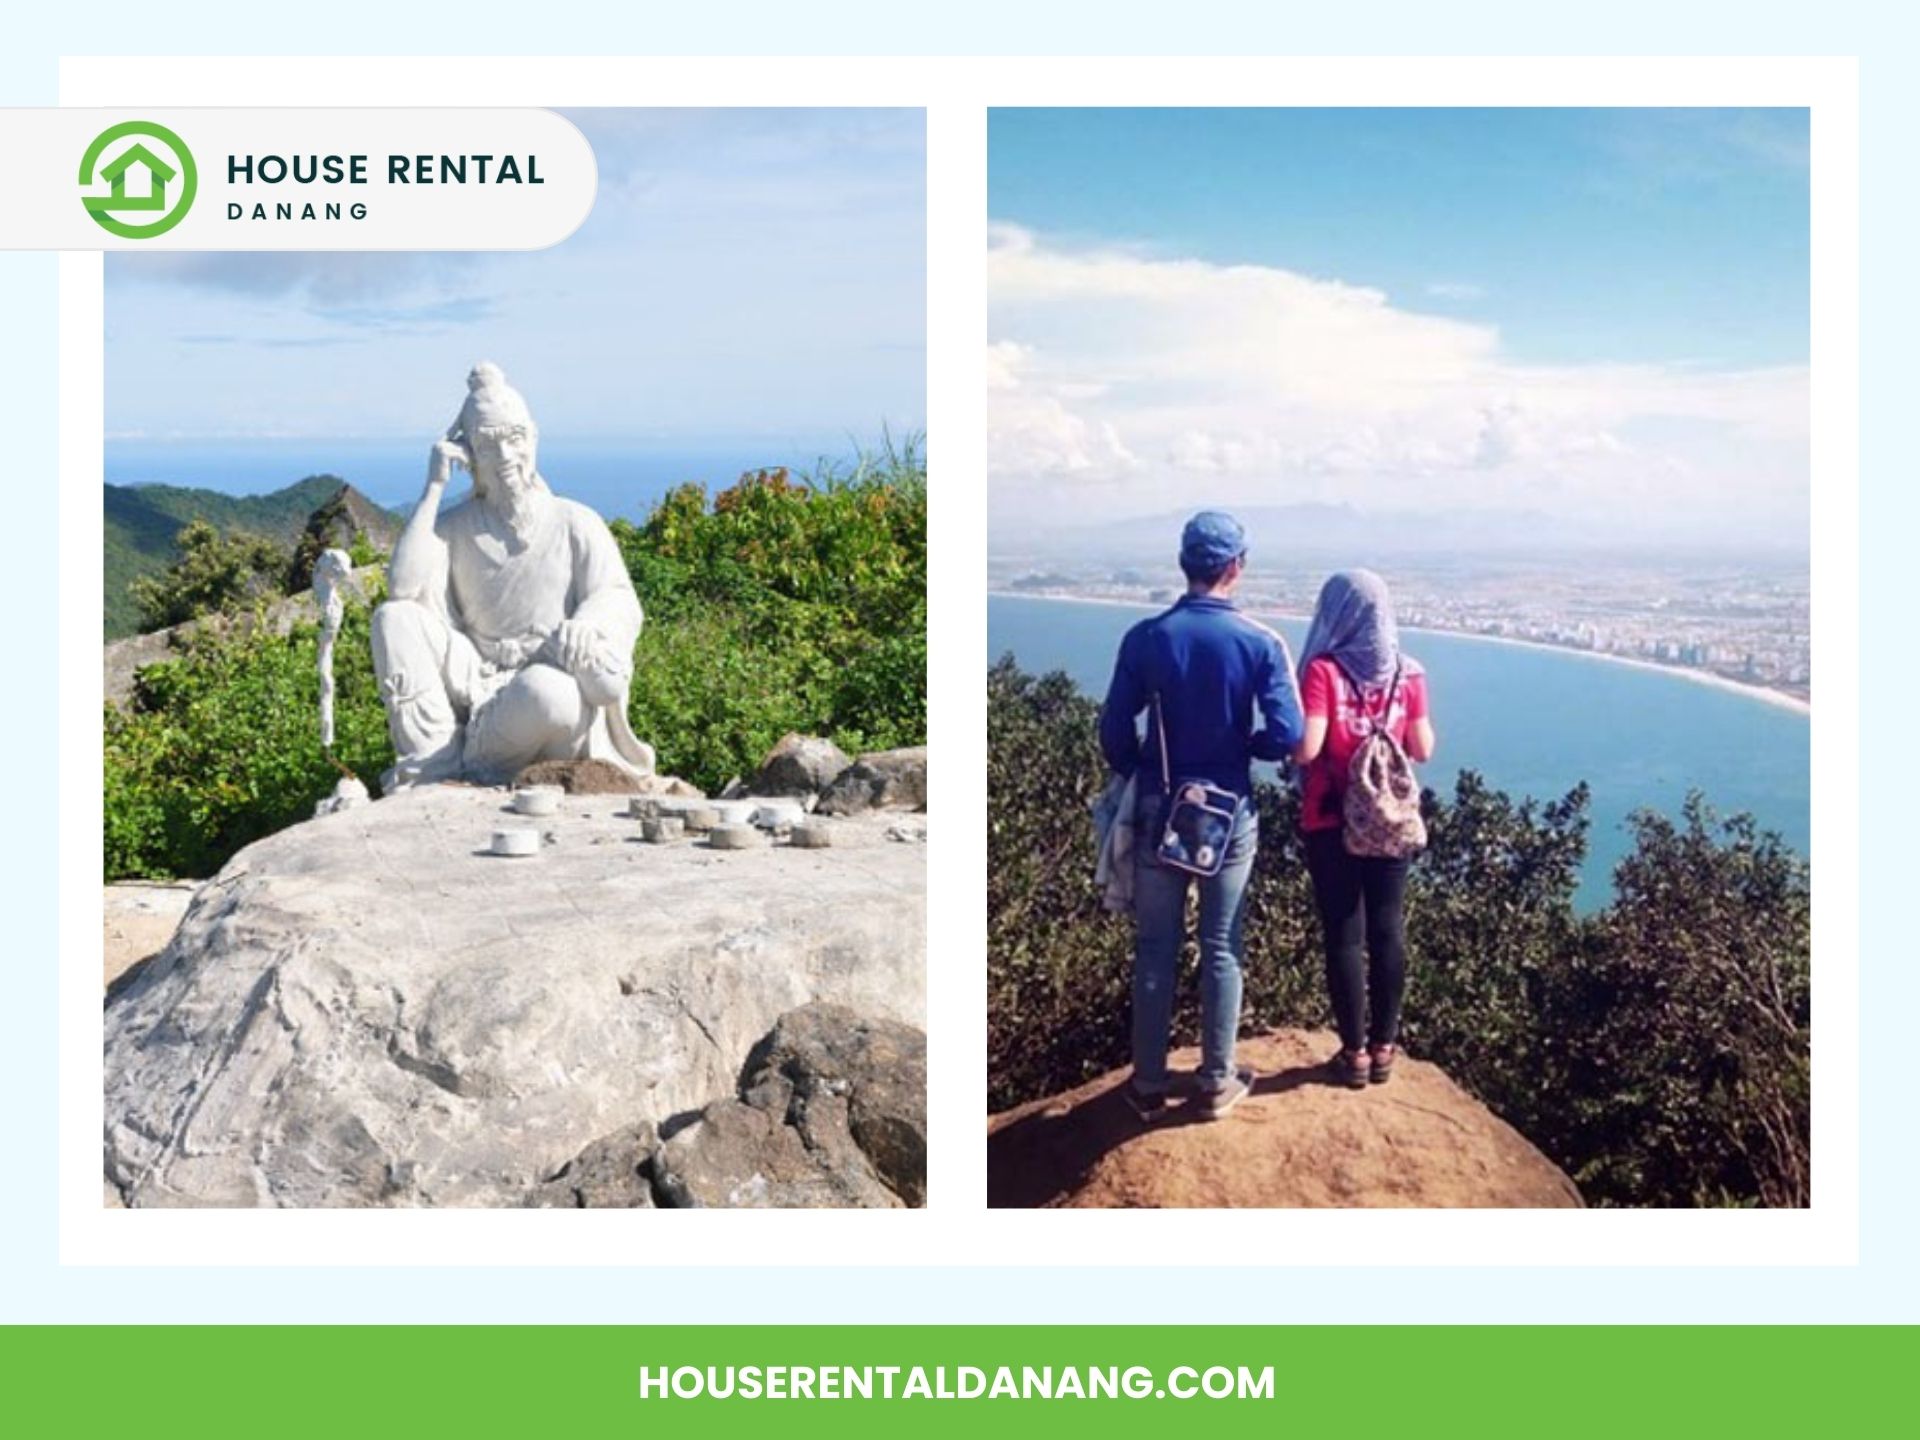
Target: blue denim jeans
x=1160, y=910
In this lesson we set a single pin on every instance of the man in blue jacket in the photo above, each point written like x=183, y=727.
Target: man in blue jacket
x=1203, y=672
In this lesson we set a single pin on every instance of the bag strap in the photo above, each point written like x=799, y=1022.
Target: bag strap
x=1386, y=710
x=1380, y=726
x=1160, y=726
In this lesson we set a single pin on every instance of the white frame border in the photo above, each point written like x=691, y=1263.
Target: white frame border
x=956, y=1230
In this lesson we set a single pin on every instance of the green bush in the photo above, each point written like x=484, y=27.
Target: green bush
x=783, y=605
x=220, y=744
x=215, y=574
x=1656, y=1051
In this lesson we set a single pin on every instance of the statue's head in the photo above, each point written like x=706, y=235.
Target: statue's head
x=498, y=431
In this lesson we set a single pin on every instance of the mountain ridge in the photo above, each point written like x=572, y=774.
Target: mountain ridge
x=142, y=521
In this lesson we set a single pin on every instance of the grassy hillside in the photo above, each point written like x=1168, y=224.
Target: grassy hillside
x=143, y=519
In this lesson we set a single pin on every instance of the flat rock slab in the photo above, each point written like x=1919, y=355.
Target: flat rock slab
x=1298, y=1140
x=368, y=1009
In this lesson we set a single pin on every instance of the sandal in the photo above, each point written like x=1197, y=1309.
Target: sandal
x=1352, y=1068
x=1380, y=1064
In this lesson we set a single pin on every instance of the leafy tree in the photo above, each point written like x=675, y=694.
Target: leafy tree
x=215, y=574
x=1689, y=1019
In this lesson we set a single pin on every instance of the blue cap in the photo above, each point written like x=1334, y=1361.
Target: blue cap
x=1212, y=540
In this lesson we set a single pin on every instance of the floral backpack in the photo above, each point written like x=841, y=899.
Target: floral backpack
x=1381, y=812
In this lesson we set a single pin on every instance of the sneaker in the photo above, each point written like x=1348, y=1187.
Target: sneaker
x=1215, y=1103
x=1148, y=1107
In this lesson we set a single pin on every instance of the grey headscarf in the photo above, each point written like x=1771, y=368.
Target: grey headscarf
x=1353, y=625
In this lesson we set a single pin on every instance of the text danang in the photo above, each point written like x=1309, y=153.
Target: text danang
x=401, y=169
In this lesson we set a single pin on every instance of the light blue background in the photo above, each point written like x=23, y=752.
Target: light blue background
x=34, y=1288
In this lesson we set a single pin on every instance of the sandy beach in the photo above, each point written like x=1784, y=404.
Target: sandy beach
x=1778, y=698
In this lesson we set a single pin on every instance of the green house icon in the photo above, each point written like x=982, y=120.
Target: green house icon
x=140, y=183
x=159, y=175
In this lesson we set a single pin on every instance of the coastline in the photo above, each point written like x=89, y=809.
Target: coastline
x=1762, y=693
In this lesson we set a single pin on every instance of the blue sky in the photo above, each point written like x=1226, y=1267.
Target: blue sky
x=1600, y=316
x=1628, y=235
x=745, y=275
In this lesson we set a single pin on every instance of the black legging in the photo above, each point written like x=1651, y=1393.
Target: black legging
x=1360, y=902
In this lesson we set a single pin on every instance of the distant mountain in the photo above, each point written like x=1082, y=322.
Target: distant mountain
x=1295, y=529
x=142, y=520
x=1348, y=533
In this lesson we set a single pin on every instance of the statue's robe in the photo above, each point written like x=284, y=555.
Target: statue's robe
x=500, y=599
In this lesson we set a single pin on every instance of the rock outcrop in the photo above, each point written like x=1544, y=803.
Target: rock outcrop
x=123, y=660
x=339, y=521
x=883, y=780
x=367, y=1009
x=613, y=1173
x=833, y=1111
x=1299, y=1140
x=802, y=765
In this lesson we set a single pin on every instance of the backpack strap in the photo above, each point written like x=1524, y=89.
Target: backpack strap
x=1380, y=726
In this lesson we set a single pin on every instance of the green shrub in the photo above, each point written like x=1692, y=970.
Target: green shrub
x=785, y=604
x=1656, y=1051
x=220, y=745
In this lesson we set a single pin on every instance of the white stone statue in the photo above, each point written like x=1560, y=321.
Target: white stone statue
x=509, y=629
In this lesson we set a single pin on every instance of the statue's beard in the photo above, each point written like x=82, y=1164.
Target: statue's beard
x=516, y=498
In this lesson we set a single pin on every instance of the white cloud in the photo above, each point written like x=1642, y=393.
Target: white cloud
x=1154, y=379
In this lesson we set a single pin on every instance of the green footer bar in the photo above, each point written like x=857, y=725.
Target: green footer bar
x=954, y=1380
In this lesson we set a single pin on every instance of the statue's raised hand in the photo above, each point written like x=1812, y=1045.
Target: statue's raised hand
x=447, y=455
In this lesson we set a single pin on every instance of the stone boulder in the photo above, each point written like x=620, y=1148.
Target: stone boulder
x=610, y=1174
x=1298, y=1140
x=833, y=1111
x=883, y=780
x=803, y=765
x=369, y=1009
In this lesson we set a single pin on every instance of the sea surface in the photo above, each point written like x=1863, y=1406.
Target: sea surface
x=619, y=479
x=1531, y=721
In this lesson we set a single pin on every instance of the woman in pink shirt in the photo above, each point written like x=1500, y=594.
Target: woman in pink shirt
x=1354, y=680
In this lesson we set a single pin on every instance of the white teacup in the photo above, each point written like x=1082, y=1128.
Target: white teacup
x=516, y=840
x=537, y=799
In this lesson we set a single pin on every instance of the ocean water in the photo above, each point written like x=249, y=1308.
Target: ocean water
x=1531, y=721
x=619, y=479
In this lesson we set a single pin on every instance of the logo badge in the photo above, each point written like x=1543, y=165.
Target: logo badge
x=150, y=178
